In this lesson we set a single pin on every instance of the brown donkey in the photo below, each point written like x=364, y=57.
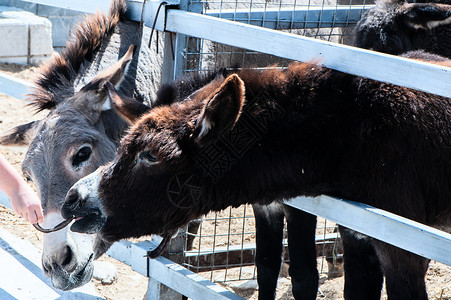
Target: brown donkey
x=260, y=137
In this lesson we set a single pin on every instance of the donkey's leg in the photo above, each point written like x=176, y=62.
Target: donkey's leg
x=363, y=273
x=404, y=272
x=192, y=229
x=301, y=228
x=268, y=257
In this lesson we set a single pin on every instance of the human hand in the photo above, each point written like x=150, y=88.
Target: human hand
x=26, y=204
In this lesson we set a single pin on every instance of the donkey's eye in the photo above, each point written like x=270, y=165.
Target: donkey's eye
x=148, y=156
x=28, y=178
x=82, y=155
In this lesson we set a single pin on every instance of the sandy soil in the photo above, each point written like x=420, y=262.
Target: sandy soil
x=131, y=285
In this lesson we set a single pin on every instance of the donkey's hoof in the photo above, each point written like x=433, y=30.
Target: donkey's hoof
x=105, y=272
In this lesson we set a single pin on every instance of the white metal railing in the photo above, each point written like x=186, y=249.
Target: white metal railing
x=382, y=225
x=14, y=87
x=374, y=65
x=87, y=6
x=378, y=66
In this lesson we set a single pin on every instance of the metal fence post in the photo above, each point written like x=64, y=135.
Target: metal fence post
x=174, y=56
x=176, y=48
x=159, y=291
x=174, y=53
x=153, y=289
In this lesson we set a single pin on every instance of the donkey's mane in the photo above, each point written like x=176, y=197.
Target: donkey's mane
x=57, y=74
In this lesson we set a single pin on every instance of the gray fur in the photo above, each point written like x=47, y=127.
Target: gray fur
x=75, y=122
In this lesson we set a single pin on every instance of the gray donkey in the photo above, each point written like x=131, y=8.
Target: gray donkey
x=81, y=131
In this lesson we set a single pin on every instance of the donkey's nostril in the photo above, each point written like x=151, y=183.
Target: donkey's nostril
x=70, y=204
x=68, y=257
x=46, y=268
x=72, y=197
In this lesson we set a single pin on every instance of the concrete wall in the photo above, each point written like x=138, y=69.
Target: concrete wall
x=62, y=19
x=25, y=37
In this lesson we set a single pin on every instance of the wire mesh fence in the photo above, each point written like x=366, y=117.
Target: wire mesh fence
x=329, y=20
x=221, y=246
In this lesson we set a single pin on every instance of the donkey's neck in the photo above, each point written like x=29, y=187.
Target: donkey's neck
x=287, y=140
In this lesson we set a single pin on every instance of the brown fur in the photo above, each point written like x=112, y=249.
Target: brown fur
x=312, y=131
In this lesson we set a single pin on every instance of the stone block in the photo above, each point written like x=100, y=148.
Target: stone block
x=41, y=38
x=14, y=36
x=21, y=60
x=38, y=59
x=24, y=34
x=62, y=19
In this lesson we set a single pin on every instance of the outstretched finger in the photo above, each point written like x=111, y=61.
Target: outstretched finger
x=32, y=217
x=39, y=216
x=26, y=216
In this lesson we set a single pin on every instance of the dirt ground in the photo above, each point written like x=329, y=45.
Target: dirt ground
x=131, y=285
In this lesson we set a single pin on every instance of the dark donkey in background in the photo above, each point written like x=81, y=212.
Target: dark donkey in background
x=406, y=29
x=392, y=26
x=81, y=131
x=396, y=26
x=308, y=131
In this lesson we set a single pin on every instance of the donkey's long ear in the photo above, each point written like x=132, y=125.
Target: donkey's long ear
x=113, y=74
x=221, y=111
x=95, y=92
x=127, y=107
x=427, y=15
x=20, y=135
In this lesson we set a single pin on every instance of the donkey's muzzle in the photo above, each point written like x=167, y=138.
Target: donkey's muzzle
x=88, y=218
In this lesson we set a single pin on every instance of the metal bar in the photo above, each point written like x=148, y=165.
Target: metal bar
x=243, y=255
x=383, y=67
x=374, y=65
x=320, y=238
x=179, y=55
x=287, y=18
x=390, y=228
x=184, y=281
x=14, y=87
x=168, y=273
x=302, y=17
x=153, y=289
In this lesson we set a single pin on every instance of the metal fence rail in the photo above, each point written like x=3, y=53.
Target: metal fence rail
x=374, y=65
x=382, y=225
